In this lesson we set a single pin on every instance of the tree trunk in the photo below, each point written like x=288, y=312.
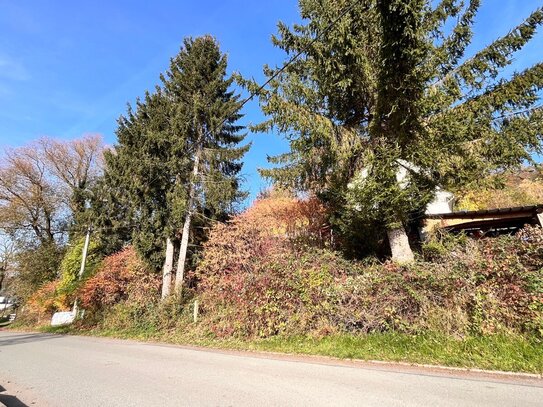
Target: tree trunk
x=179, y=275
x=399, y=245
x=167, y=269
x=2, y=276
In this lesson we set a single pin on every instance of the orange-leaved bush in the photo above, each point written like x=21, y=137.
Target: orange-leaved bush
x=122, y=276
x=298, y=220
x=261, y=270
x=41, y=305
x=273, y=225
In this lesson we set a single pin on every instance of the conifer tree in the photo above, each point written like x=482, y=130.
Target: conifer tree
x=384, y=106
x=177, y=161
x=139, y=175
x=206, y=115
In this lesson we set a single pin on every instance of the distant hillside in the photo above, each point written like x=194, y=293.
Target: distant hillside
x=521, y=188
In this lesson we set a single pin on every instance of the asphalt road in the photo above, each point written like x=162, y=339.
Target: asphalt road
x=49, y=370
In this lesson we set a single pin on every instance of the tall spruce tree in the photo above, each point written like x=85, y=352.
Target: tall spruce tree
x=384, y=106
x=177, y=163
x=207, y=116
x=140, y=171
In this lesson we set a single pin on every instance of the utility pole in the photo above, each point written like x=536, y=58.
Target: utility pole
x=83, y=261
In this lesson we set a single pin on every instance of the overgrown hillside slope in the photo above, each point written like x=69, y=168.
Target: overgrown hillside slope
x=270, y=273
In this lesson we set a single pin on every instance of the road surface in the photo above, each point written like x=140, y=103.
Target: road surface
x=51, y=370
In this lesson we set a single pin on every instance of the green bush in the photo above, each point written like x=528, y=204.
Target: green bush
x=71, y=265
x=35, y=266
x=146, y=320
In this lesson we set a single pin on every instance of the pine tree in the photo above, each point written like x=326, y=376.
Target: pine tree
x=176, y=163
x=207, y=114
x=139, y=174
x=383, y=89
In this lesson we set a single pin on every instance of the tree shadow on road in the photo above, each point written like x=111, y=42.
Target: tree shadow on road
x=10, y=401
x=24, y=338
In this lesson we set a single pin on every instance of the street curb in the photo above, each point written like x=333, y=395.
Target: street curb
x=376, y=364
x=459, y=369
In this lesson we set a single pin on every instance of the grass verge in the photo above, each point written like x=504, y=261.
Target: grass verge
x=494, y=352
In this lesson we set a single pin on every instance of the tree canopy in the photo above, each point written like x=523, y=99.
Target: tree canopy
x=384, y=105
x=44, y=187
x=177, y=156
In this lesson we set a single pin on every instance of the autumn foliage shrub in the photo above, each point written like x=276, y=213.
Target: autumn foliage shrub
x=522, y=188
x=41, y=305
x=256, y=281
x=284, y=293
x=301, y=221
x=122, y=276
x=257, y=271
x=474, y=287
x=124, y=297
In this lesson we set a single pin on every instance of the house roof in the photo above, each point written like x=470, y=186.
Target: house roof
x=519, y=211
x=499, y=220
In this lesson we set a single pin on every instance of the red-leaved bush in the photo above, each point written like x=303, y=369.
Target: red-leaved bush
x=257, y=280
x=271, y=227
x=122, y=276
x=248, y=263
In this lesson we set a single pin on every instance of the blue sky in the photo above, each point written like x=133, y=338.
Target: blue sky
x=70, y=67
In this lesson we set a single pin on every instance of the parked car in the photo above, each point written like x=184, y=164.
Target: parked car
x=8, y=305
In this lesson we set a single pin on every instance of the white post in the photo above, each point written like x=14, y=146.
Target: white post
x=85, y=250
x=195, y=313
x=540, y=219
x=83, y=261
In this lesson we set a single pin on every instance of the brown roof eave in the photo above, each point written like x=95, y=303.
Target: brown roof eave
x=519, y=210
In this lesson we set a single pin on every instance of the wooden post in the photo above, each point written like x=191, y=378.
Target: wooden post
x=195, y=312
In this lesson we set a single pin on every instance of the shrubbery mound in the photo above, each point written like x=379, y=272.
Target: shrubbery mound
x=257, y=283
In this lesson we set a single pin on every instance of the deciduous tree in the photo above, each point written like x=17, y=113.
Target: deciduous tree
x=44, y=186
x=30, y=202
x=77, y=164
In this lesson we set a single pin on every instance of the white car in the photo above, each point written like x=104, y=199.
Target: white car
x=6, y=303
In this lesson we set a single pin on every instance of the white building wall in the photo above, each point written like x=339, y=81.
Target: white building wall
x=442, y=203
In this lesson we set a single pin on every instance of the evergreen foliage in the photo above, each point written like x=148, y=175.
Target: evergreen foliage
x=206, y=113
x=390, y=89
x=149, y=178
x=139, y=173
